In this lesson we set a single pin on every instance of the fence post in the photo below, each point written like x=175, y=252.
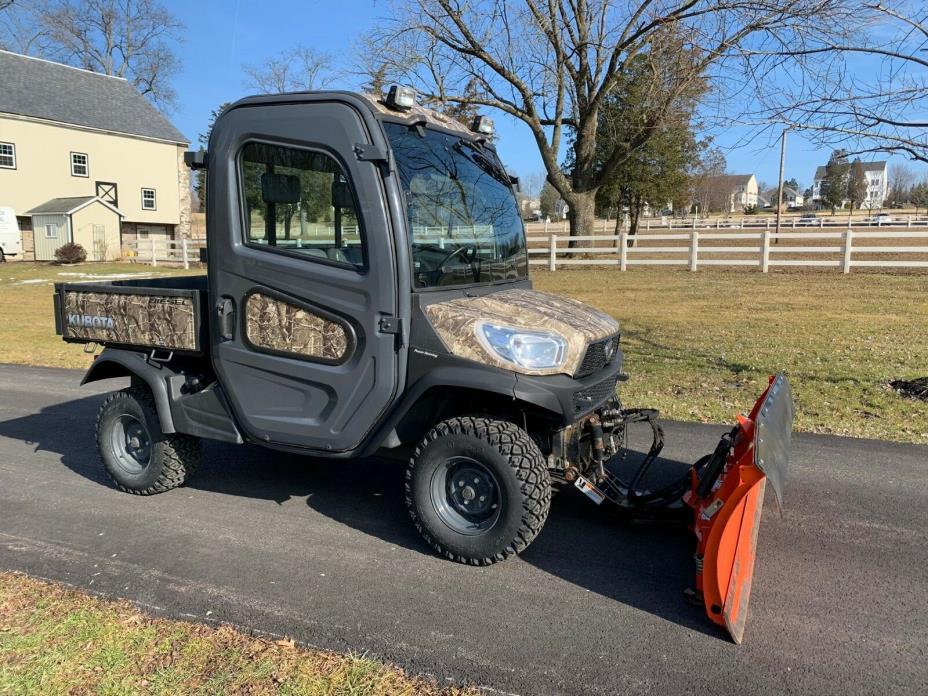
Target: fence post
x=765, y=251
x=794, y=223
x=604, y=225
x=623, y=251
x=183, y=248
x=564, y=227
x=552, y=252
x=648, y=226
x=848, y=245
x=154, y=254
x=694, y=248
x=546, y=225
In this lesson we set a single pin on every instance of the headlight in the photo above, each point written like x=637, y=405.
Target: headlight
x=534, y=350
x=609, y=350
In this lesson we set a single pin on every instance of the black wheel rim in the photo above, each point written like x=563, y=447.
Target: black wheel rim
x=131, y=444
x=466, y=495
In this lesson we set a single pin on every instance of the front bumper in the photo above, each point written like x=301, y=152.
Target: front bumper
x=572, y=398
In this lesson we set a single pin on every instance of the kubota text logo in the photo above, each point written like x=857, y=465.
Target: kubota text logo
x=85, y=321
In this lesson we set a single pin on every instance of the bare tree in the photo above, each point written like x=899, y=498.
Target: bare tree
x=134, y=39
x=299, y=69
x=901, y=183
x=879, y=108
x=552, y=63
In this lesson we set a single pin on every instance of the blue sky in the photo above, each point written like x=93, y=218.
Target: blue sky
x=224, y=35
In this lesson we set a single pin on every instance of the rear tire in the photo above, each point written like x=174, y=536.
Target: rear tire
x=137, y=454
x=2, y=256
x=478, y=489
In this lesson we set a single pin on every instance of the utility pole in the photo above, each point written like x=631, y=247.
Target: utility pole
x=776, y=239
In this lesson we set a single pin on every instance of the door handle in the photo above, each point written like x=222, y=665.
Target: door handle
x=225, y=317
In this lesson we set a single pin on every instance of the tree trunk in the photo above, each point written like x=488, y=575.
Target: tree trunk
x=582, y=216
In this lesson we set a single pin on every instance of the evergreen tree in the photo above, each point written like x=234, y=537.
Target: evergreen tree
x=856, y=184
x=834, y=186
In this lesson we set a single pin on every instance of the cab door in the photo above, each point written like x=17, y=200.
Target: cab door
x=302, y=274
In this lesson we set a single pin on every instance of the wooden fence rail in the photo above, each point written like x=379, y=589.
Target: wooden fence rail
x=696, y=248
x=164, y=251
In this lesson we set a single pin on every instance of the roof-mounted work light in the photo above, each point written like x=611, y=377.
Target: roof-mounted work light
x=482, y=124
x=401, y=97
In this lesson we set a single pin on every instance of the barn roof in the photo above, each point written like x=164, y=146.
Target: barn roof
x=42, y=89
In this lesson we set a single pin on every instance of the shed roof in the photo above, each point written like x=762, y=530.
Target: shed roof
x=66, y=206
x=43, y=89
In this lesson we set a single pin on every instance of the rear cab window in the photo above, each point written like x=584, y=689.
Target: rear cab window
x=300, y=202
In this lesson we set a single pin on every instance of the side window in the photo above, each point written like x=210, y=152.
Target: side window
x=299, y=201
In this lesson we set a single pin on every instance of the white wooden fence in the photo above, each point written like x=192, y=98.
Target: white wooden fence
x=695, y=247
x=160, y=250
x=762, y=250
x=751, y=222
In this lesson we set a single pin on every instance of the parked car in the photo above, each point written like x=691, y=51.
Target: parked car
x=808, y=220
x=883, y=219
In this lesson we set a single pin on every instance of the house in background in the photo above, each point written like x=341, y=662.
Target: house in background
x=877, y=174
x=792, y=199
x=85, y=157
x=730, y=193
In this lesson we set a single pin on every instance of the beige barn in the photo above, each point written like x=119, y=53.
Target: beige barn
x=86, y=158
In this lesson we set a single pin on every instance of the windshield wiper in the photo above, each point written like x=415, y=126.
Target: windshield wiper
x=482, y=161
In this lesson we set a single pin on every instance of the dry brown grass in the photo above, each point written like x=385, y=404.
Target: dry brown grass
x=55, y=640
x=700, y=346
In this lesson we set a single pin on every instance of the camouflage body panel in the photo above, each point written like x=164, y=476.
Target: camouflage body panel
x=455, y=322
x=276, y=325
x=162, y=321
x=417, y=114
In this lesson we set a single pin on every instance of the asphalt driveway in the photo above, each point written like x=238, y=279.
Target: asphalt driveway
x=324, y=552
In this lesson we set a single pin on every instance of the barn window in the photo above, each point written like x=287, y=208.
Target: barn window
x=80, y=165
x=7, y=156
x=148, y=199
x=51, y=231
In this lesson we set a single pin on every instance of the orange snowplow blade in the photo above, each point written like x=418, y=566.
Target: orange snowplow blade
x=728, y=500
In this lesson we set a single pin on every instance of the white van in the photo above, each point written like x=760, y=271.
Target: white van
x=11, y=239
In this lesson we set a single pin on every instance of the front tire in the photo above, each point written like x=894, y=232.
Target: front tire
x=137, y=454
x=478, y=489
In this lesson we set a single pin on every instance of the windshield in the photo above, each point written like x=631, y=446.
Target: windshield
x=464, y=223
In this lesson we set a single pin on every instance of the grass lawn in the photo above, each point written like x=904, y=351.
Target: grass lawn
x=699, y=346
x=27, y=319
x=55, y=640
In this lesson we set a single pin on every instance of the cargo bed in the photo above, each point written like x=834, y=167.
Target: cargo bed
x=164, y=314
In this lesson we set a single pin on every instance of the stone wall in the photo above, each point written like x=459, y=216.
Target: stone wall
x=182, y=231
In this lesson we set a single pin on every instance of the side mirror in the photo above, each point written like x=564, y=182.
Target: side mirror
x=341, y=195
x=280, y=188
x=514, y=181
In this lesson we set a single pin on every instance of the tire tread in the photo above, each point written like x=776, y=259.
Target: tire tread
x=524, y=457
x=179, y=454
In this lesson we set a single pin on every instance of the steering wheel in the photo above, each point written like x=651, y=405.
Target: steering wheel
x=469, y=257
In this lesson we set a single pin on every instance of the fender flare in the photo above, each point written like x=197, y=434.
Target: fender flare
x=474, y=378
x=115, y=362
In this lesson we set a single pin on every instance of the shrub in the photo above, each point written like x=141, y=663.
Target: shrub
x=70, y=253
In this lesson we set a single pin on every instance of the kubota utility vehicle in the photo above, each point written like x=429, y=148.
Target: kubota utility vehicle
x=368, y=292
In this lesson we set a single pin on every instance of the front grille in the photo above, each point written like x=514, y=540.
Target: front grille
x=595, y=357
x=591, y=397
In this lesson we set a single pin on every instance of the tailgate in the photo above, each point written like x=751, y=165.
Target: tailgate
x=130, y=316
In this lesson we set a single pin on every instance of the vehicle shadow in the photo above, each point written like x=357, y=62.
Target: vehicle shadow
x=645, y=566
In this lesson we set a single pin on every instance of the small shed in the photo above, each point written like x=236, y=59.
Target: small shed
x=86, y=220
